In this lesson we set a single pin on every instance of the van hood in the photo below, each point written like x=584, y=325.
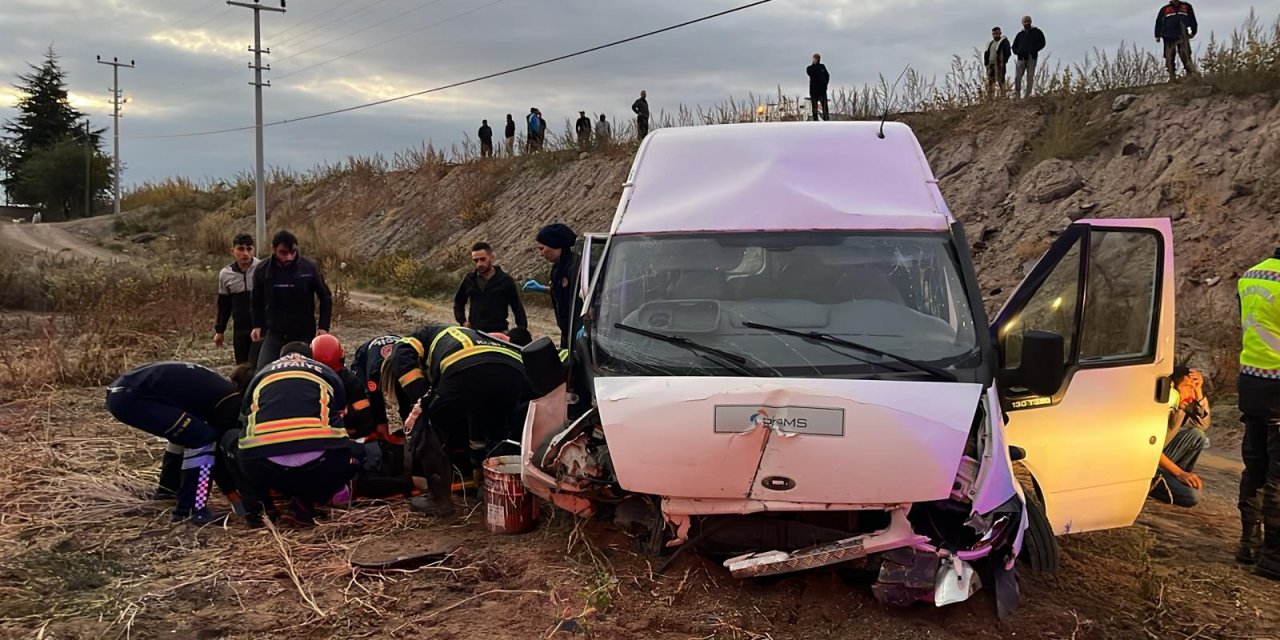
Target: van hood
x=848, y=442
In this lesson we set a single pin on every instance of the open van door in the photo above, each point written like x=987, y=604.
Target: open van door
x=1086, y=348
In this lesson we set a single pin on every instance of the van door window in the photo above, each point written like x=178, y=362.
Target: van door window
x=1051, y=308
x=1120, y=310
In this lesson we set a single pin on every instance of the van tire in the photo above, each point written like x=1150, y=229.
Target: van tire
x=1040, y=549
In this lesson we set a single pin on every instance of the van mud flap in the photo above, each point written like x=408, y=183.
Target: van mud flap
x=769, y=563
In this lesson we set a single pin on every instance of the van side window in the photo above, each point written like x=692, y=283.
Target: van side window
x=1052, y=308
x=1119, y=312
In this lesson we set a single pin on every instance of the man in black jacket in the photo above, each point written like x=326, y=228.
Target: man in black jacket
x=583, y=128
x=818, y=80
x=486, y=139
x=1027, y=46
x=285, y=289
x=641, y=108
x=491, y=292
x=996, y=58
x=510, y=136
x=1176, y=25
x=235, y=301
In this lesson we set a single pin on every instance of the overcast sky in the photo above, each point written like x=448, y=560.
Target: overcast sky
x=191, y=59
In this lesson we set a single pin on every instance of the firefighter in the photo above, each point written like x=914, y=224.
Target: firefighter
x=1259, y=386
x=190, y=406
x=465, y=382
x=294, y=441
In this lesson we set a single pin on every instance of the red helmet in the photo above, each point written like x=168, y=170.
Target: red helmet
x=327, y=350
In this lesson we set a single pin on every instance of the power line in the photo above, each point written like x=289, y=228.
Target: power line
x=322, y=14
x=472, y=80
x=302, y=36
x=390, y=40
x=420, y=7
x=194, y=15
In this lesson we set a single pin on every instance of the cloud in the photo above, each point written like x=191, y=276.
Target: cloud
x=192, y=61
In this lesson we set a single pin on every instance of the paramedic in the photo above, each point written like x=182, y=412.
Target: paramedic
x=1259, y=386
x=190, y=406
x=465, y=383
x=293, y=441
x=555, y=245
x=285, y=290
x=1176, y=483
x=235, y=293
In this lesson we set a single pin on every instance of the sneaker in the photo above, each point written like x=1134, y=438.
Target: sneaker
x=432, y=507
x=202, y=517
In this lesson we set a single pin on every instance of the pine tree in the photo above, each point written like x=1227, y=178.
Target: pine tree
x=45, y=120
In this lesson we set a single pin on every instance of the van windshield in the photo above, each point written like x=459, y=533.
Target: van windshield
x=900, y=294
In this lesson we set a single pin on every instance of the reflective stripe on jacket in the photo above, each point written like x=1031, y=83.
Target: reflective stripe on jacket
x=1259, y=290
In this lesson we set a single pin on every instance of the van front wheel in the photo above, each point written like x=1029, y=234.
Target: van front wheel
x=1040, y=549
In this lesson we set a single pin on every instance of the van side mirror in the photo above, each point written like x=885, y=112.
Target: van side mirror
x=1042, y=369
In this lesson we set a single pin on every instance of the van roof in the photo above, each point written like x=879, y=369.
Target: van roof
x=794, y=176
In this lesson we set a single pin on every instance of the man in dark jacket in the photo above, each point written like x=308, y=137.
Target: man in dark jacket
x=996, y=58
x=486, y=139
x=583, y=128
x=285, y=290
x=189, y=405
x=294, y=441
x=1176, y=25
x=491, y=292
x=510, y=136
x=1027, y=46
x=818, y=80
x=235, y=301
x=465, y=383
x=555, y=245
x=537, y=129
x=641, y=108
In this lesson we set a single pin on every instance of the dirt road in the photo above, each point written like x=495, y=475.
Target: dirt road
x=56, y=238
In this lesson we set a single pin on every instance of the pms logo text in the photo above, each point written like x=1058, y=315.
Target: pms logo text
x=761, y=418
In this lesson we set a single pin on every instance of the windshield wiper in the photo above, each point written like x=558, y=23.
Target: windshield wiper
x=830, y=339
x=725, y=358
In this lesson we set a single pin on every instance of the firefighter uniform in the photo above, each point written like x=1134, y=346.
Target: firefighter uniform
x=294, y=440
x=465, y=382
x=190, y=406
x=383, y=474
x=1259, y=386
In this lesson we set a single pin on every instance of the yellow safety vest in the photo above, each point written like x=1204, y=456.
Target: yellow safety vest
x=1260, y=320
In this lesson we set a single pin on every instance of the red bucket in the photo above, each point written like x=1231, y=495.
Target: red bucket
x=509, y=508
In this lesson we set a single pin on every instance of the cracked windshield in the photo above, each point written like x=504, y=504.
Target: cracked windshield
x=897, y=294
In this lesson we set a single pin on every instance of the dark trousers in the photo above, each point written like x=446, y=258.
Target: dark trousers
x=245, y=348
x=642, y=127
x=276, y=339
x=486, y=148
x=157, y=417
x=1260, y=482
x=1173, y=51
x=996, y=76
x=476, y=401
x=819, y=98
x=1184, y=450
x=312, y=483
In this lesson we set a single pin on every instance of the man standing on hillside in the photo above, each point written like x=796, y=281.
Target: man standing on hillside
x=491, y=292
x=1027, y=45
x=996, y=59
x=285, y=290
x=510, y=136
x=536, y=126
x=583, y=127
x=641, y=108
x=1176, y=25
x=486, y=139
x=604, y=131
x=1259, y=386
x=818, y=80
x=235, y=301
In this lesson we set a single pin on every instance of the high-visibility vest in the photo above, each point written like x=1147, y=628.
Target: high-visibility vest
x=455, y=344
x=293, y=409
x=1260, y=320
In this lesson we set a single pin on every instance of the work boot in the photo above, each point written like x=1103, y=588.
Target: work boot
x=432, y=506
x=202, y=517
x=1268, y=565
x=193, y=491
x=1250, y=543
x=299, y=513
x=170, y=474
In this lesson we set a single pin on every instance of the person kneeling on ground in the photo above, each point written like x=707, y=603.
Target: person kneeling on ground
x=294, y=441
x=1175, y=482
x=190, y=406
x=465, y=382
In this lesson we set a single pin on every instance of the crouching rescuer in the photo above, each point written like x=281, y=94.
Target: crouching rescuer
x=293, y=441
x=462, y=382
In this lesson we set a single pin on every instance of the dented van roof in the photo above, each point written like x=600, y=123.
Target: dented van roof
x=796, y=176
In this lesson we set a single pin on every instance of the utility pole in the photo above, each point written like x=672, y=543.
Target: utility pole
x=88, y=169
x=260, y=187
x=115, y=115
